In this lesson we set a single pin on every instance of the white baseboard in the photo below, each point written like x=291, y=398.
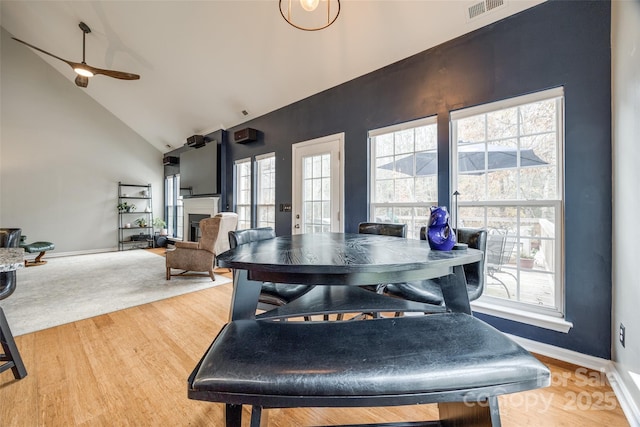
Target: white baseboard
x=628, y=405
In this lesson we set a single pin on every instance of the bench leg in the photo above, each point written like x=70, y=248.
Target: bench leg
x=470, y=414
x=233, y=415
x=258, y=418
x=11, y=356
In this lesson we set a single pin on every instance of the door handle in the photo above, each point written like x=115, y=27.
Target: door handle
x=296, y=226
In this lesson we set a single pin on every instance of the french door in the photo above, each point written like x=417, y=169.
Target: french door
x=318, y=185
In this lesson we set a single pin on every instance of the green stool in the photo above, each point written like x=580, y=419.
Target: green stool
x=34, y=247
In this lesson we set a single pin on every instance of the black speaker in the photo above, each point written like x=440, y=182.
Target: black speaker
x=196, y=141
x=170, y=160
x=245, y=135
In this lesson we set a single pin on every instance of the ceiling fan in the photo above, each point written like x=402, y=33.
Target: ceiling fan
x=83, y=70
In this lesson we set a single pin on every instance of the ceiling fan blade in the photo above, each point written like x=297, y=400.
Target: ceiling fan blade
x=71, y=64
x=113, y=73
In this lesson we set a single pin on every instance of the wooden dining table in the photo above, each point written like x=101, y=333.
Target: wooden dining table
x=338, y=259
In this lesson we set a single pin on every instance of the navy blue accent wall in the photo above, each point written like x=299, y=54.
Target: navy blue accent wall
x=557, y=43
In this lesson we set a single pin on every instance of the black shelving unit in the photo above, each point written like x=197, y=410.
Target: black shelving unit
x=130, y=234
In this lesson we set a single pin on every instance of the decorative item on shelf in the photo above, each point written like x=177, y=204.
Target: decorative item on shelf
x=158, y=223
x=145, y=193
x=147, y=209
x=306, y=15
x=127, y=225
x=125, y=207
x=141, y=222
x=140, y=237
x=439, y=233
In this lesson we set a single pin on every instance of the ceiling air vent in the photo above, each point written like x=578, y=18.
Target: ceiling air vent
x=480, y=8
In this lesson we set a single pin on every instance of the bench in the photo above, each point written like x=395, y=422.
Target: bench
x=34, y=247
x=452, y=359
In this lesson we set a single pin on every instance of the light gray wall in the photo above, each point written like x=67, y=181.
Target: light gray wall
x=62, y=155
x=626, y=176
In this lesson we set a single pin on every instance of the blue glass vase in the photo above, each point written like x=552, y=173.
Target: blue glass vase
x=439, y=233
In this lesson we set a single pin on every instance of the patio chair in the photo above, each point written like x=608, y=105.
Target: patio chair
x=499, y=249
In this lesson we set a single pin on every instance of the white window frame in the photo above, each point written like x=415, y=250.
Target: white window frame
x=413, y=231
x=242, y=209
x=546, y=317
x=265, y=190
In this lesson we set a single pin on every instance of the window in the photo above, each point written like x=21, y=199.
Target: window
x=174, y=209
x=404, y=173
x=243, y=192
x=266, y=190
x=507, y=169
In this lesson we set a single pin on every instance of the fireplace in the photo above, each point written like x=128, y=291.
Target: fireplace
x=194, y=226
x=194, y=209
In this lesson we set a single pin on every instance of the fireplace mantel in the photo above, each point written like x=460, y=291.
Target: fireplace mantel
x=197, y=205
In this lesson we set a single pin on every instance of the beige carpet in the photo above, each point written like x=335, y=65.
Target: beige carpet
x=68, y=289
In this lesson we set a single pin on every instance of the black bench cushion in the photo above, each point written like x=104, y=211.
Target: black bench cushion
x=390, y=356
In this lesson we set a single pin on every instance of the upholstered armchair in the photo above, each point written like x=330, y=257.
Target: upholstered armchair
x=201, y=255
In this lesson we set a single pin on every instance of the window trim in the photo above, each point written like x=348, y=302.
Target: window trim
x=372, y=205
x=549, y=318
x=236, y=164
x=257, y=203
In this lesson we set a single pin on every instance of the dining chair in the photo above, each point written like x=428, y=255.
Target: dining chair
x=500, y=246
x=429, y=291
x=383, y=229
x=272, y=295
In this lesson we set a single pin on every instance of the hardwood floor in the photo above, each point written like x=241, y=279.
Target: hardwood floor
x=130, y=368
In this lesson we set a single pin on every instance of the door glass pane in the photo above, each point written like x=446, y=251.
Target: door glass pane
x=316, y=196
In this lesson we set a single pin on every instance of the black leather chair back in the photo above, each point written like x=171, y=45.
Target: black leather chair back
x=271, y=294
x=475, y=238
x=10, y=237
x=383, y=228
x=7, y=284
x=240, y=237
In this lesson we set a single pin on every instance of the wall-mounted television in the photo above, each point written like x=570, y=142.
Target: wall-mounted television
x=200, y=170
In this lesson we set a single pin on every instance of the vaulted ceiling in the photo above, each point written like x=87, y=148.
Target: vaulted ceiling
x=203, y=62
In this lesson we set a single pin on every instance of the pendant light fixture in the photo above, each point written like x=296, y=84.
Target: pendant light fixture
x=310, y=15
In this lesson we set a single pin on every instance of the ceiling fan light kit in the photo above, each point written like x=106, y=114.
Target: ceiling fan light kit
x=83, y=70
x=310, y=15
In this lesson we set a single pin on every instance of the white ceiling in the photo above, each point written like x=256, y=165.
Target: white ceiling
x=203, y=62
